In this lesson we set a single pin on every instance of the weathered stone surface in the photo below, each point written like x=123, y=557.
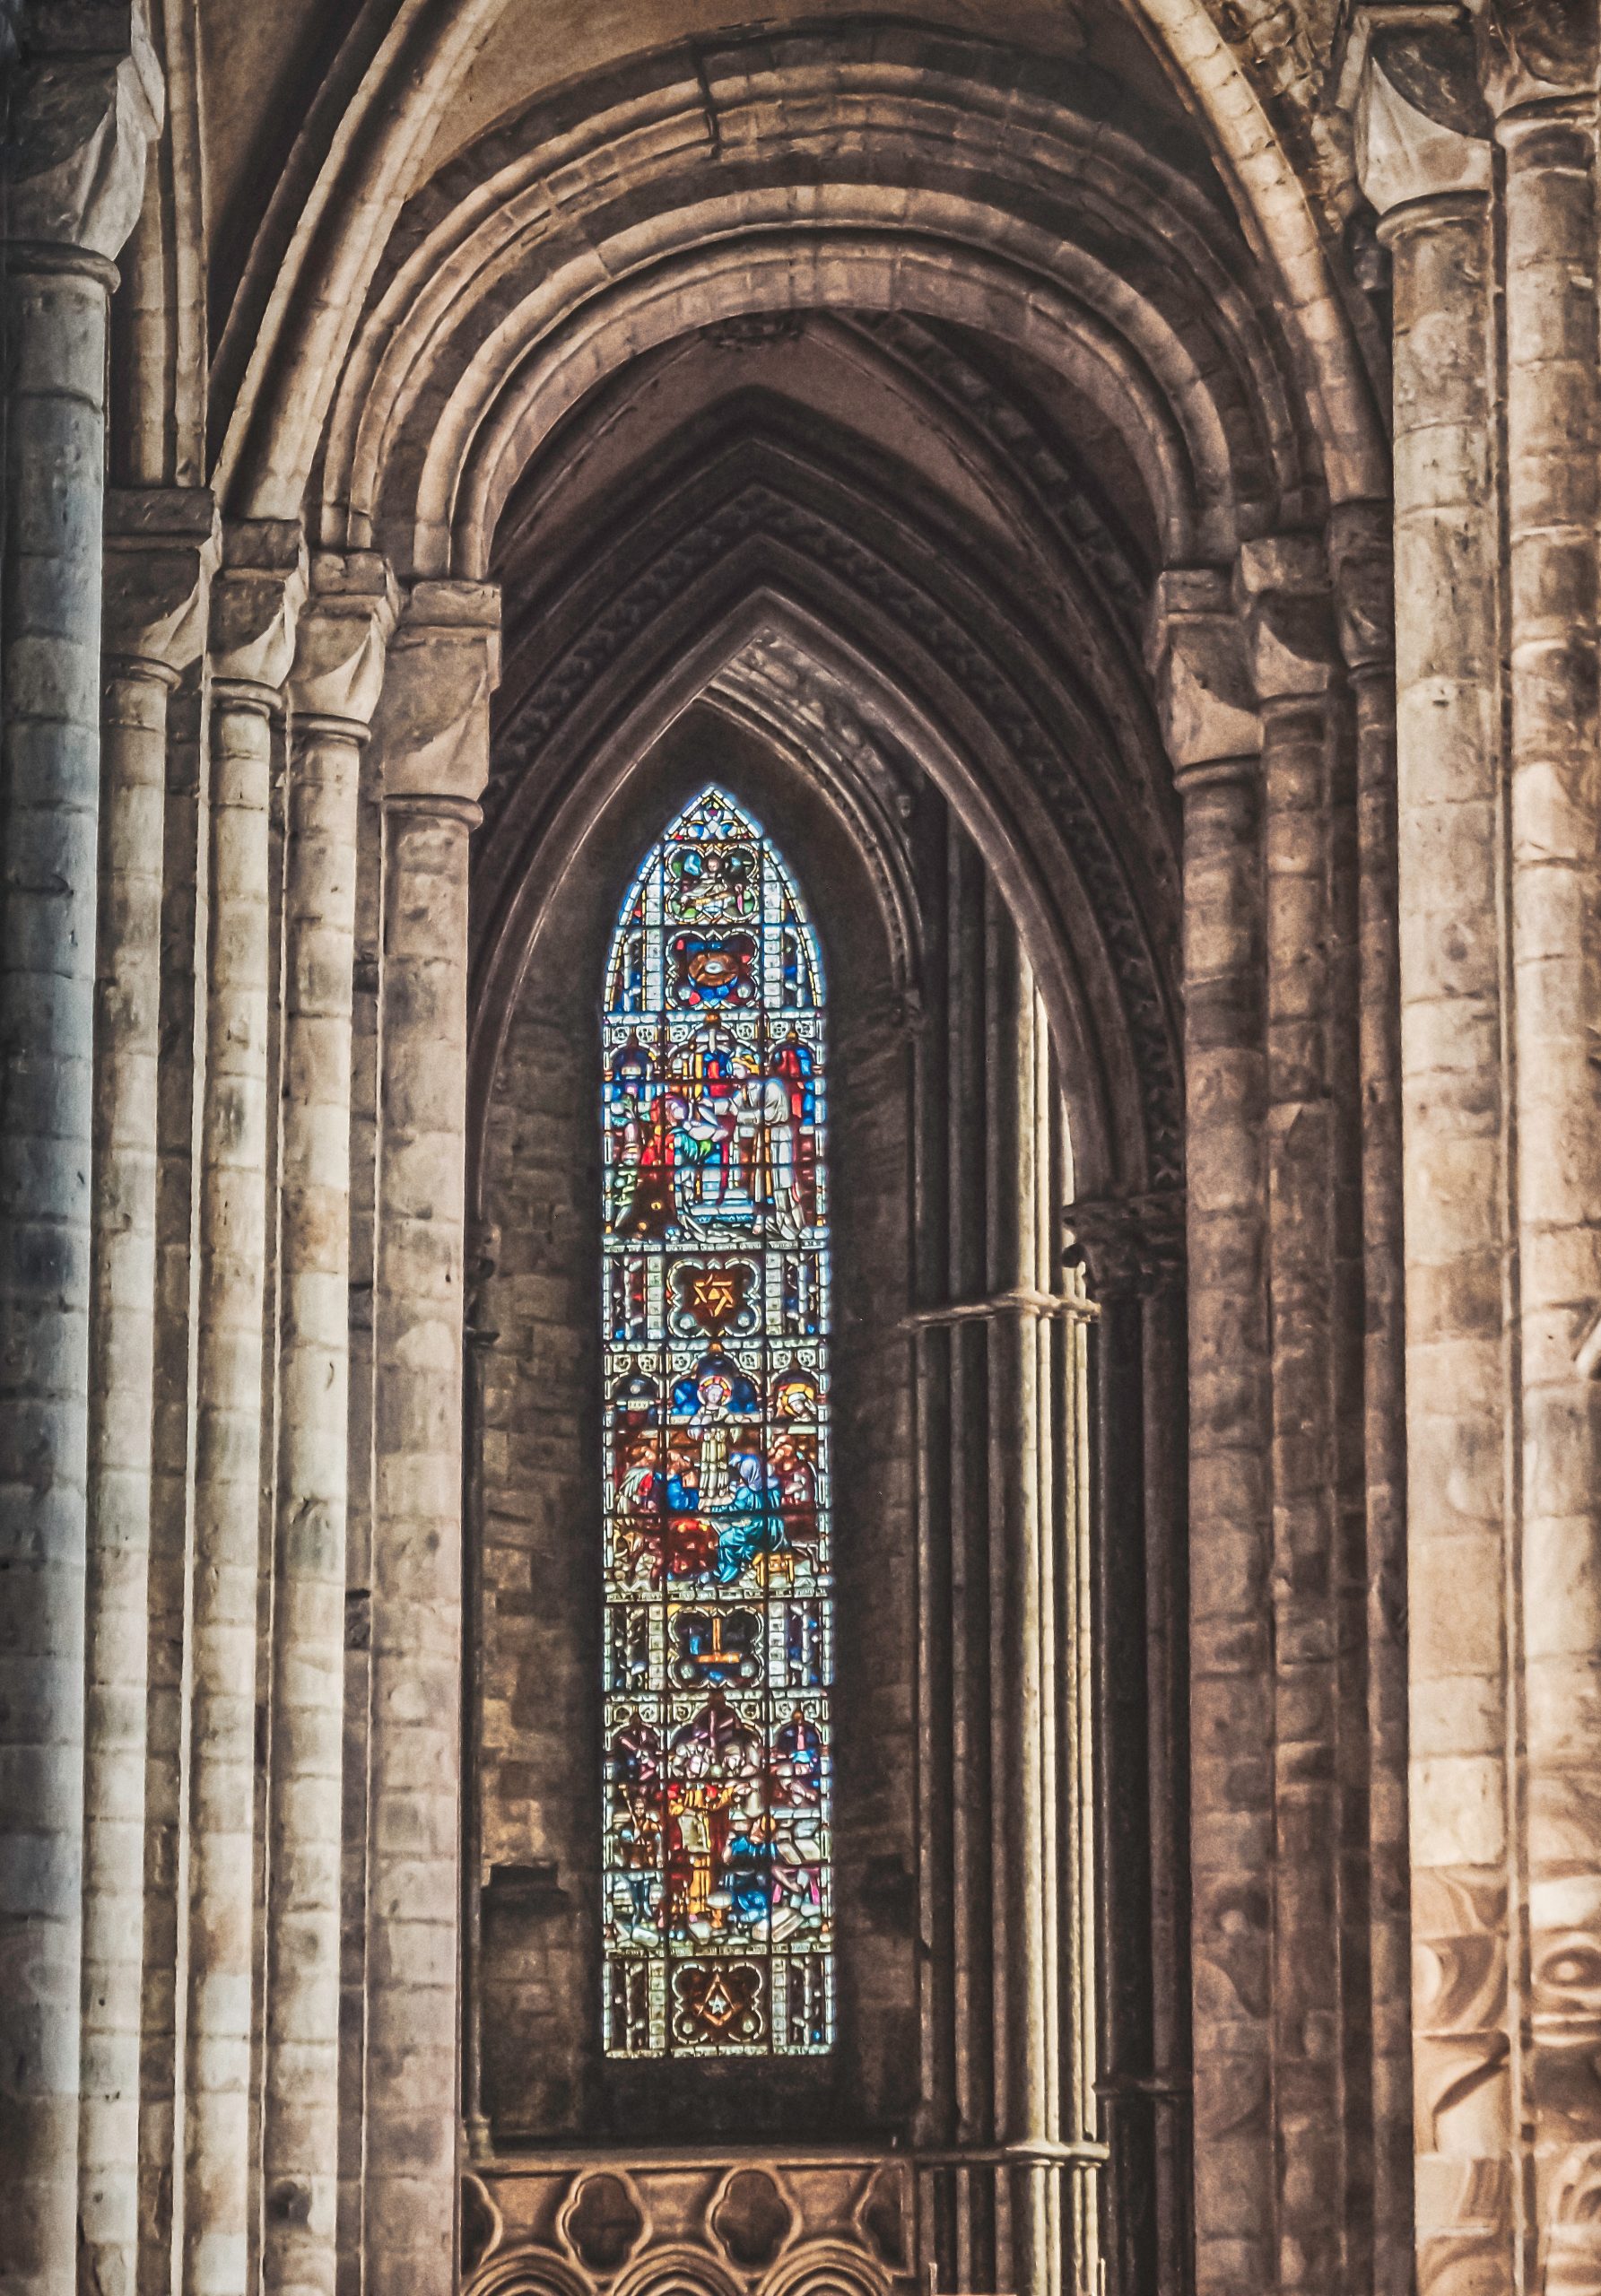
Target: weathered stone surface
x=989, y=419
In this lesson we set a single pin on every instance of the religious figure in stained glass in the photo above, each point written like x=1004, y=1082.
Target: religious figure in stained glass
x=720, y=1629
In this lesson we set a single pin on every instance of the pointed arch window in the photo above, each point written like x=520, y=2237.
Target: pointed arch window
x=718, y=1641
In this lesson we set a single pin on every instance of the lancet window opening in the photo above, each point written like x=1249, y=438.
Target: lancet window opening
x=718, y=1644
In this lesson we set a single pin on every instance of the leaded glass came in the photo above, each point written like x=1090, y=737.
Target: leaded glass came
x=719, y=1628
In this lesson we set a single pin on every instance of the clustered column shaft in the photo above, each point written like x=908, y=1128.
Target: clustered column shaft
x=1553, y=433
x=63, y=224
x=433, y=736
x=1230, y=1522
x=252, y=637
x=1292, y=645
x=332, y=690
x=158, y=562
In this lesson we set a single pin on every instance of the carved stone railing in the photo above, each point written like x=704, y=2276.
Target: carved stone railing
x=798, y=2220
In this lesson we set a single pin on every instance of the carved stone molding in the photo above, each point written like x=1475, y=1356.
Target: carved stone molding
x=255, y=599
x=1409, y=77
x=1204, y=687
x=86, y=104
x=1362, y=563
x=341, y=639
x=161, y=547
x=769, y=2224
x=1536, y=52
x=760, y=509
x=1281, y=588
x=1131, y=1246
x=432, y=720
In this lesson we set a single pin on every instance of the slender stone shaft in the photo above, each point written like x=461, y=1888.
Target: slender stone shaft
x=55, y=319
x=1552, y=431
x=179, y=1109
x=1361, y=550
x=233, y=1244
x=156, y=570
x=1024, y=1750
x=434, y=732
x=1430, y=183
x=1213, y=735
x=300, y=2135
x=1292, y=647
x=252, y=635
x=334, y=687
x=1230, y=1683
x=77, y=126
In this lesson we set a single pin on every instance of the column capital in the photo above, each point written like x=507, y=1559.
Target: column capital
x=340, y=637
x=1408, y=75
x=161, y=547
x=1534, y=57
x=431, y=722
x=1362, y=563
x=255, y=600
x=1282, y=591
x=87, y=103
x=1196, y=650
x=1131, y=1246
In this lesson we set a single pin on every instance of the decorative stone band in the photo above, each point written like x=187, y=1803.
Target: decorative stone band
x=1019, y=1302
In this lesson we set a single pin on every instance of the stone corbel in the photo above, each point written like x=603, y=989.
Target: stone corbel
x=1282, y=590
x=341, y=640
x=161, y=549
x=86, y=104
x=255, y=601
x=1407, y=74
x=1196, y=654
x=1131, y=1246
x=432, y=724
x=1362, y=562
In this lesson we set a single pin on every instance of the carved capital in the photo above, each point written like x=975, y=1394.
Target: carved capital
x=432, y=724
x=1409, y=77
x=86, y=104
x=1282, y=590
x=1536, y=52
x=1362, y=562
x=162, y=544
x=1131, y=1246
x=340, y=637
x=1196, y=653
x=255, y=600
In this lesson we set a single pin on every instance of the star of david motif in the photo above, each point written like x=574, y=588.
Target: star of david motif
x=715, y=1297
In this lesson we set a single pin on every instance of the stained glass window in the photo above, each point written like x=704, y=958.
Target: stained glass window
x=718, y=1617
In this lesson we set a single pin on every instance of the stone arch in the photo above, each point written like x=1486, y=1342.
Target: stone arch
x=698, y=629
x=1051, y=229
x=360, y=156
x=825, y=2268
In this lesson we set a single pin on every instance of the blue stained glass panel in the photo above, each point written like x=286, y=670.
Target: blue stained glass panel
x=718, y=1888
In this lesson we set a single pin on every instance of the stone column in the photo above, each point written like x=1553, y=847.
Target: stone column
x=1284, y=600
x=334, y=687
x=254, y=604
x=432, y=737
x=84, y=100
x=1133, y=1249
x=1213, y=737
x=1540, y=66
x=1426, y=167
x=1362, y=558
x=159, y=551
